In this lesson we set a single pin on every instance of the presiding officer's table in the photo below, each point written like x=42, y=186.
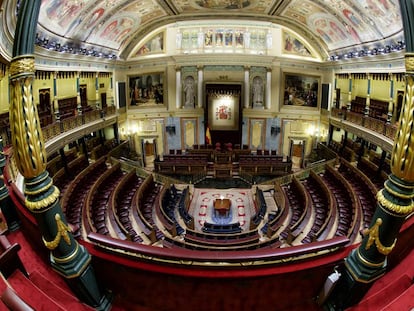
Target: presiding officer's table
x=222, y=207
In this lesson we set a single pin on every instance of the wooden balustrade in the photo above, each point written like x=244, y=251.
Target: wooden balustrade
x=217, y=257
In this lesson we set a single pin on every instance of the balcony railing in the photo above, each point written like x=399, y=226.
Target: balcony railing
x=376, y=125
x=52, y=130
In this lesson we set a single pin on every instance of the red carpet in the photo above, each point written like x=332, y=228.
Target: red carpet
x=31, y=294
x=65, y=299
x=403, y=302
x=392, y=292
x=390, y=289
x=42, y=273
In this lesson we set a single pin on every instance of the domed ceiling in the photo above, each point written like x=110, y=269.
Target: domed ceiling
x=118, y=25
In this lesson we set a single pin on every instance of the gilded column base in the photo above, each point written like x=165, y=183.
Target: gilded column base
x=80, y=276
x=356, y=279
x=68, y=258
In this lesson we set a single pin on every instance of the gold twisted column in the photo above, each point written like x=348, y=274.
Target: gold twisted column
x=27, y=137
x=68, y=258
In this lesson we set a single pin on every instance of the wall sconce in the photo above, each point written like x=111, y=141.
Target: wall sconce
x=274, y=130
x=170, y=129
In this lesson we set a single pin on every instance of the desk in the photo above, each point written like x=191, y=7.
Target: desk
x=222, y=207
x=223, y=170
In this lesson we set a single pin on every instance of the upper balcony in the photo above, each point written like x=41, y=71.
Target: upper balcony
x=376, y=131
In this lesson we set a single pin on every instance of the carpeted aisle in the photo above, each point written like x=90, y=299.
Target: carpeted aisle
x=48, y=281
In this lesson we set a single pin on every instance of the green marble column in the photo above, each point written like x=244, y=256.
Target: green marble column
x=395, y=202
x=70, y=259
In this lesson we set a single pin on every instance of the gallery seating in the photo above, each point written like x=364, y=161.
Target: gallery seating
x=144, y=201
x=363, y=187
x=276, y=219
x=261, y=209
x=166, y=210
x=74, y=198
x=212, y=239
x=221, y=229
x=377, y=176
x=97, y=202
x=349, y=211
x=121, y=204
x=299, y=203
x=9, y=257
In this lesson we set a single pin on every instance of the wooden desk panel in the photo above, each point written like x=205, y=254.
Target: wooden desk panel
x=222, y=206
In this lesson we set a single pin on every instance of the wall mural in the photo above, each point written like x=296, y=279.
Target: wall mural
x=223, y=4
x=293, y=45
x=153, y=45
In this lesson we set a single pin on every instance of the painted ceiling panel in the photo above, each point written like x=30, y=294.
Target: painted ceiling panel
x=107, y=23
x=119, y=24
x=345, y=23
x=252, y=6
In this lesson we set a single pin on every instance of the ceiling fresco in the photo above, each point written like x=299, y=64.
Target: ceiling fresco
x=119, y=25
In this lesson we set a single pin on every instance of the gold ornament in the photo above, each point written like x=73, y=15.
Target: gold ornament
x=409, y=62
x=62, y=232
x=27, y=138
x=402, y=160
x=396, y=208
x=373, y=237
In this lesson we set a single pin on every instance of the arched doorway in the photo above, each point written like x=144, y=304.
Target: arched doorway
x=297, y=151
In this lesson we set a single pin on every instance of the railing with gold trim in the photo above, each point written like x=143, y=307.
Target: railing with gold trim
x=52, y=130
x=376, y=125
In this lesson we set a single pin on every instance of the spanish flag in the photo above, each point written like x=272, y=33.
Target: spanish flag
x=208, y=136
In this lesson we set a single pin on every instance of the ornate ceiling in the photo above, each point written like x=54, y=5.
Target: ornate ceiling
x=118, y=25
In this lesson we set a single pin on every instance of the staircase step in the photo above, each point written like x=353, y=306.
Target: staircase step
x=57, y=293
x=31, y=294
x=404, y=302
x=381, y=298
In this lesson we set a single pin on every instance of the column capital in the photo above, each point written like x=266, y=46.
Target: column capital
x=409, y=62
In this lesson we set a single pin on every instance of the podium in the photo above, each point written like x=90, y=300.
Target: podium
x=222, y=207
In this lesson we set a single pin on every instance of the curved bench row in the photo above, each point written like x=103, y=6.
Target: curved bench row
x=322, y=205
x=121, y=205
x=313, y=209
x=215, y=257
x=75, y=196
x=299, y=203
x=364, y=189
